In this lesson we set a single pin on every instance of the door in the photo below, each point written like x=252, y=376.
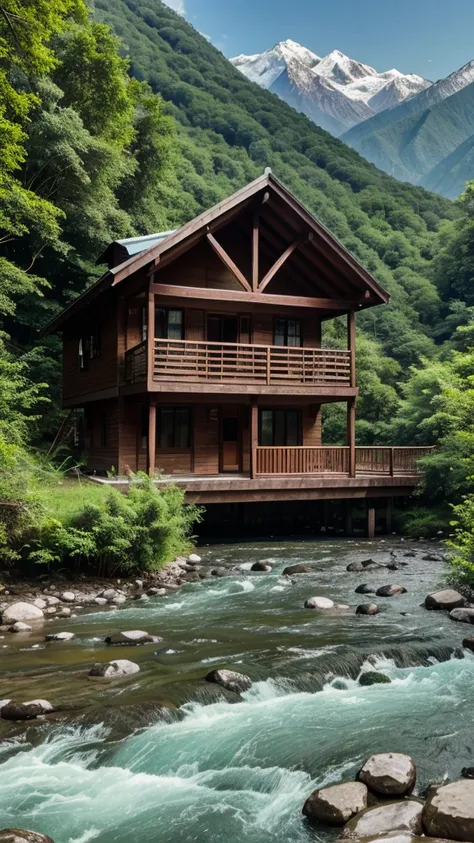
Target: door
x=230, y=442
x=222, y=328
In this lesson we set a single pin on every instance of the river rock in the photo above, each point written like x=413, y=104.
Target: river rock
x=132, y=638
x=114, y=669
x=365, y=588
x=367, y=609
x=389, y=773
x=336, y=805
x=51, y=600
x=462, y=615
x=390, y=590
x=60, y=636
x=319, y=603
x=449, y=811
x=22, y=835
x=467, y=772
x=371, y=677
x=401, y=816
x=468, y=644
x=64, y=613
x=119, y=600
x=447, y=599
x=68, y=597
x=45, y=705
x=109, y=594
x=19, y=626
x=263, y=565
x=99, y=601
x=40, y=603
x=296, y=569
x=193, y=557
x=156, y=592
x=230, y=679
x=23, y=711
x=21, y=612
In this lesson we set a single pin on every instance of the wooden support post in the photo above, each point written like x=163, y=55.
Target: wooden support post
x=392, y=454
x=150, y=334
x=255, y=256
x=389, y=515
x=351, y=436
x=370, y=521
x=228, y=262
x=253, y=438
x=351, y=344
x=151, y=456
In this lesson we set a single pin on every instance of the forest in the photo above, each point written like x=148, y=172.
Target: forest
x=125, y=120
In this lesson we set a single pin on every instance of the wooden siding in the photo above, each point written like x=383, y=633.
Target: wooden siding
x=102, y=371
x=200, y=267
x=206, y=439
x=101, y=457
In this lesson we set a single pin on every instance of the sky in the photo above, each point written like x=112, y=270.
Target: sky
x=429, y=37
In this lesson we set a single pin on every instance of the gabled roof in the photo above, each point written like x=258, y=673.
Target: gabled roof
x=174, y=243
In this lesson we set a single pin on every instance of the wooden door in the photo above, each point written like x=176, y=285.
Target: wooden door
x=231, y=447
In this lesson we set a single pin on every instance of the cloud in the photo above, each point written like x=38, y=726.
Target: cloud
x=177, y=5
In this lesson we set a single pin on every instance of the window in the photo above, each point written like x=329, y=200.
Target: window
x=81, y=354
x=143, y=323
x=169, y=324
x=174, y=427
x=287, y=332
x=280, y=427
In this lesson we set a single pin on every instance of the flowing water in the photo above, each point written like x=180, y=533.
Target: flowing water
x=117, y=766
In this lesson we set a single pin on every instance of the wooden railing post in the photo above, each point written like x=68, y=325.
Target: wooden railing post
x=351, y=344
x=253, y=438
x=392, y=454
x=269, y=363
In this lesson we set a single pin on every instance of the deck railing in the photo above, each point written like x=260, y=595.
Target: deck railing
x=240, y=362
x=135, y=364
x=393, y=462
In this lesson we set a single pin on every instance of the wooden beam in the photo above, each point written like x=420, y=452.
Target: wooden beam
x=150, y=336
x=351, y=344
x=228, y=262
x=151, y=439
x=277, y=265
x=255, y=256
x=246, y=298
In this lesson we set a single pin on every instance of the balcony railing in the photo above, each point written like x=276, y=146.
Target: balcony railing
x=392, y=462
x=135, y=364
x=239, y=362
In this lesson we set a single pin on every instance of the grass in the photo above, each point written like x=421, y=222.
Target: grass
x=65, y=498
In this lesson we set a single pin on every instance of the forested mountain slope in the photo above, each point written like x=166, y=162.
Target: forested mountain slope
x=449, y=177
x=410, y=148
x=230, y=129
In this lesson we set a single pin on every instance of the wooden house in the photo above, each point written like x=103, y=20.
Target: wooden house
x=198, y=354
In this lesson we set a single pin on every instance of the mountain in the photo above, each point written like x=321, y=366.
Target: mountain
x=229, y=129
x=428, y=144
x=336, y=92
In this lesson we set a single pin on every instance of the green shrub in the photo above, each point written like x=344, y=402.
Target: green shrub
x=462, y=545
x=139, y=531
x=425, y=522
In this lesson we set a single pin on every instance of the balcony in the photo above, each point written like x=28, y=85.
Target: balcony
x=234, y=363
x=372, y=461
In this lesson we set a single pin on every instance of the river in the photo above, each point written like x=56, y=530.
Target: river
x=115, y=767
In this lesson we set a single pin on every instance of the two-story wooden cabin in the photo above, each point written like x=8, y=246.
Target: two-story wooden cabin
x=198, y=353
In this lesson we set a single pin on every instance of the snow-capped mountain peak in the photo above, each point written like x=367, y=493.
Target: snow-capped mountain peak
x=347, y=91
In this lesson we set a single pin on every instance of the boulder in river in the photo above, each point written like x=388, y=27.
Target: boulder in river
x=22, y=835
x=467, y=772
x=372, y=677
x=109, y=594
x=132, y=638
x=367, y=609
x=262, y=565
x=114, y=669
x=389, y=774
x=390, y=590
x=365, y=588
x=462, y=615
x=447, y=599
x=319, y=603
x=21, y=612
x=25, y=711
x=449, y=811
x=194, y=558
x=19, y=626
x=68, y=597
x=468, y=644
x=297, y=569
x=336, y=805
x=60, y=636
x=230, y=679
x=401, y=816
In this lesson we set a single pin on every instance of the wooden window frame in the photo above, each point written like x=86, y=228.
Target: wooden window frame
x=175, y=448
x=239, y=317
x=287, y=319
x=284, y=410
x=168, y=310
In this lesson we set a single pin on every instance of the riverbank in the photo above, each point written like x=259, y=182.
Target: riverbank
x=170, y=748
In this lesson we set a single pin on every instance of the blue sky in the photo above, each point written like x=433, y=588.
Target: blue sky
x=429, y=37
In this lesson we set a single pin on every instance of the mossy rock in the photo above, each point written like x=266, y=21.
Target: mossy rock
x=371, y=677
